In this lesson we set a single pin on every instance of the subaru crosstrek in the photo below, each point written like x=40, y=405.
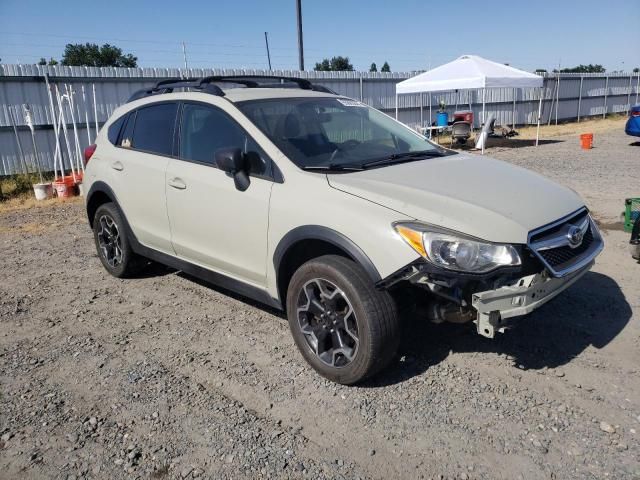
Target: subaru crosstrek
x=314, y=203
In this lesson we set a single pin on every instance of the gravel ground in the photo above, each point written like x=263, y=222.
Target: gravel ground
x=164, y=377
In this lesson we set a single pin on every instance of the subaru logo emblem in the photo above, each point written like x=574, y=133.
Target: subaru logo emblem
x=575, y=236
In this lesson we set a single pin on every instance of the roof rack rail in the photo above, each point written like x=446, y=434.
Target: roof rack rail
x=205, y=84
x=169, y=84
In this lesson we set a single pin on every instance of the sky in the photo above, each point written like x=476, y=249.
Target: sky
x=409, y=34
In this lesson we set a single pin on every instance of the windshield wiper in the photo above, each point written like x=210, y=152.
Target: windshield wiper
x=403, y=157
x=333, y=167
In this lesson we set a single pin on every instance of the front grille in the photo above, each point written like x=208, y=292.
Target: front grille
x=562, y=257
x=552, y=246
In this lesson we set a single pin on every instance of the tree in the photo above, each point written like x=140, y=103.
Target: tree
x=93, y=55
x=584, y=69
x=540, y=70
x=373, y=67
x=636, y=70
x=385, y=67
x=336, y=64
x=43, y=61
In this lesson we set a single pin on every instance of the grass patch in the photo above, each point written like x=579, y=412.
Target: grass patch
x=26, y=201
x=17, y=185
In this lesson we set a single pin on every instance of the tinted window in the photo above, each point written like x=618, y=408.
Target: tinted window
x=127, y=133
x=114, y=130
x=206, y=129
x=153, y=131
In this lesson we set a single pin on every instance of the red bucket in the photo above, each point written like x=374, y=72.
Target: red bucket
x=65, y=187
x=586, y=141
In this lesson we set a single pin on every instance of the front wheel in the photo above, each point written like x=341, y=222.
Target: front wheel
x=345, y=328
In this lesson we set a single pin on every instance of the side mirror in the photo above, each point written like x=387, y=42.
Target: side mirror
x=234, y=162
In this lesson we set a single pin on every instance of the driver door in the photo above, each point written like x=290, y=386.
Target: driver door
x=213, y=224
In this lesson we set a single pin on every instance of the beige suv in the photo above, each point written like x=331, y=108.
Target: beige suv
x=317, y=204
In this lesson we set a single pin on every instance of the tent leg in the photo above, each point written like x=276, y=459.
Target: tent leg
x=539, y=114
x=484, y=91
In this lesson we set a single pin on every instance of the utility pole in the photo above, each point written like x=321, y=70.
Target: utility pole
x=184, y=55
x=300, y=47
x=266, y=41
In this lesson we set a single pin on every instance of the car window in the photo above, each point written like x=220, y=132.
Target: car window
x=154, y=126
x=126, y=138
x=207, y=129
x=330, y=131
x=114, y=130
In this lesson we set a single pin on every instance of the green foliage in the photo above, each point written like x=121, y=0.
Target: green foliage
x=373, y=67
x=43, y=61
x=636, y=70
x=93, y=55
x=540, y=70
x=336, y=64
x=385, y=67
x=584, y=69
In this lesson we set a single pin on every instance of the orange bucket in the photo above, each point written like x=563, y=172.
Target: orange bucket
x=65, y=187
x=586, y=141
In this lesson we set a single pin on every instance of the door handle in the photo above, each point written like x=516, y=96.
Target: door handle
x=117, y=166
x=177, y=183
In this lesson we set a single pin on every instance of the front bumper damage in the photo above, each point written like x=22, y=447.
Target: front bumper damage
x=522, y=296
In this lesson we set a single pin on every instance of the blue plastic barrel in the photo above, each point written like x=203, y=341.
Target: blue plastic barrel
x=442, y=119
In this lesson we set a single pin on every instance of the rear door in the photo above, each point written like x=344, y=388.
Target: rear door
x=212, y=223
x=139, y=168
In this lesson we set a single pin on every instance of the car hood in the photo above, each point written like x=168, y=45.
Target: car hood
x=472, y=194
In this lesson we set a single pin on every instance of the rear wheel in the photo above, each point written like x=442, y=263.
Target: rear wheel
x=112, y=244
x=343, y=326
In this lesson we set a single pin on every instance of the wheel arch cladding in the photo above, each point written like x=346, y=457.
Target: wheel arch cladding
x=99, y=194
x=311, y=241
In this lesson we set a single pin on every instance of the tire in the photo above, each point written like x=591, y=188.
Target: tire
x=359, y=322
x=112, y=244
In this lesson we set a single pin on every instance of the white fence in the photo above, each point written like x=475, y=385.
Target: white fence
x=569, y=96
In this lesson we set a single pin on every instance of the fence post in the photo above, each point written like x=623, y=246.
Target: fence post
x=361, y=93
x=580, y=97
x=513, y=114
x=637, y=87
x=629, y=93
x=606, y=88
x=557, y=98
x=421, y=109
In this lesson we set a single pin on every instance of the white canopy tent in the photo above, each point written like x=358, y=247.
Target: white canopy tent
x=471, y=72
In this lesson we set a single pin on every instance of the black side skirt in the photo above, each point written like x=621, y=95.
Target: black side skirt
x=206, y=275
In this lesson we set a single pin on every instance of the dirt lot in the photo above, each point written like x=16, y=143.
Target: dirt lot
x=164, y=377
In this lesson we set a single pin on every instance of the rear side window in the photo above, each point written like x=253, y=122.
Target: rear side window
x=153, y=130
x=114, y=130
x=127, y=132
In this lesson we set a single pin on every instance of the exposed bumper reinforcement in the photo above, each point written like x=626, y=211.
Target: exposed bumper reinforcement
x=520, y=298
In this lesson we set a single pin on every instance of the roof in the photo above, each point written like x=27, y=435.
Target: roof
x=243, y=94
x=467, y=72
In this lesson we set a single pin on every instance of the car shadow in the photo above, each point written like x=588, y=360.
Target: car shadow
x=634, y=144
x=154, y=269
x=229, y=293
x=590, y=313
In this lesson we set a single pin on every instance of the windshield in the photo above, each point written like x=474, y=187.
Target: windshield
x=336, y=133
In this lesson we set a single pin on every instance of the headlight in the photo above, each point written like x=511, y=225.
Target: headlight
x=454, y=252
